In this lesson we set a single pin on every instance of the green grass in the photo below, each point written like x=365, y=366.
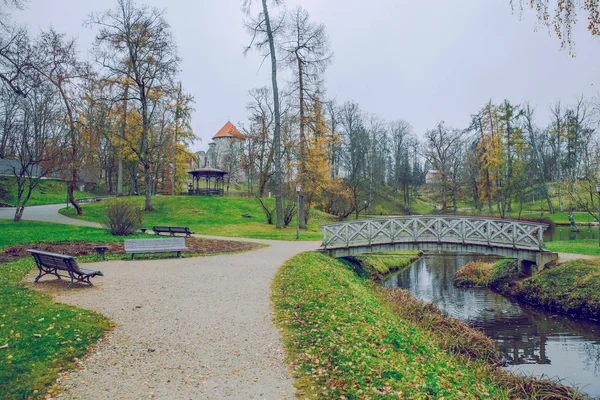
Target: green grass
x=221, y=216
x=343, y=341
x=377, y=266
x=579, y=246
x=38, y=337
x=570, y=288
x=35, y=232
x=47, y=192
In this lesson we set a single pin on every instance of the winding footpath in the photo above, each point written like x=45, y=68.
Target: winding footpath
x=186, y=328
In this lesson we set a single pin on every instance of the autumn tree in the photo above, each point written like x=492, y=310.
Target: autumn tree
x=136, y=43
x=561, y=15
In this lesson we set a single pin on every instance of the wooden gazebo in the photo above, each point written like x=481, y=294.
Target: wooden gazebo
x=214, y=182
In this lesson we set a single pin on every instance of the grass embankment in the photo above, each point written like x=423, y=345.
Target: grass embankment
x=48, y=191
x=579, y=246
x=345, y=344
x=377, y=266
x=220, y=216
x=38, y=337
x=36, y=232
x=350, y=339
x=571, y=288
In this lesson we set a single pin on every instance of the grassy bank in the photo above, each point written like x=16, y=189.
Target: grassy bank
x=377, y=266
x=221, y=216
x=571, y=288
x=579, y=246
x=35, y=232
x=344, y=343
x=48, y=191
x=350, y=339
x=38, y=337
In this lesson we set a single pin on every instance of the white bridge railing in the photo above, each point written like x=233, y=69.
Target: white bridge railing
x=427, y=229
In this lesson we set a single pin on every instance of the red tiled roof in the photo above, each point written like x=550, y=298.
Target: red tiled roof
x=229, y=130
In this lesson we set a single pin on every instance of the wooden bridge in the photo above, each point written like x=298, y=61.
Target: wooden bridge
x=506, y=238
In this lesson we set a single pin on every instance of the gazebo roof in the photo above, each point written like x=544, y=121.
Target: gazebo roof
x=207, y=173
x=229, y=130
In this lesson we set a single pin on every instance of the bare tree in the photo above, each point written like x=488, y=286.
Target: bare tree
x=306, y=52
x=59, y=65
x=537, y=141
x=136, y=43
x=37, y=141
x=442, y=143
x=263, y=38
x=354, y=155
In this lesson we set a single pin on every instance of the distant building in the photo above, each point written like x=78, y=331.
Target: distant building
x=225, y=152
x=432, y=177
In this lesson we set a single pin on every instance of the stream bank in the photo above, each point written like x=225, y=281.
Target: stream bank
x=534, y=342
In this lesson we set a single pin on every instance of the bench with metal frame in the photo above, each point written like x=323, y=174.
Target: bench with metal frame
x=172, y=230
x=54, y=263
x=147, y=246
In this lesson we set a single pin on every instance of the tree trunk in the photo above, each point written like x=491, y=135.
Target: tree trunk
x=277, y=133
x=72, y=187
x=19, y=213
x=302, y=144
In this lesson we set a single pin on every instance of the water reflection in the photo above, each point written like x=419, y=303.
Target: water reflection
x=564, y=233
x=535, y=342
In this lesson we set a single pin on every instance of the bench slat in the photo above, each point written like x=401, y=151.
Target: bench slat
x=51, y=263
x=163, y=245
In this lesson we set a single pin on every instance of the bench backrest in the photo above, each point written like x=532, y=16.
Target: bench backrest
x=55, y=260
x=154, y=244
x=180, y=229
x=175, y=229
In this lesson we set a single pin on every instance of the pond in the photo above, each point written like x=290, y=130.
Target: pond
x=564, y=233
x=535, y=342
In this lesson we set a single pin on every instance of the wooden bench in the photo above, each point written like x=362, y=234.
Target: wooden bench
x=53, y=263
x=172, y=230
x=164, y=245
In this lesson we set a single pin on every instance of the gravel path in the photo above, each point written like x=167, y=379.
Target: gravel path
x=47, y=213
x=186, y=329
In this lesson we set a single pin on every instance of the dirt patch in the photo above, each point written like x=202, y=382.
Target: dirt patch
x=78, y=249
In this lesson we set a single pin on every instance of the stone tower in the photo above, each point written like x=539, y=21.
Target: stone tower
x=226, y=152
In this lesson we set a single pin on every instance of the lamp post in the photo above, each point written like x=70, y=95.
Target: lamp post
x=598, y=191
x=298, y=188
x=365, y=209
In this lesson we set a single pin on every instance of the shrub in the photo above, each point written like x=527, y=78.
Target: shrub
x=475, y=273
x=122, y=217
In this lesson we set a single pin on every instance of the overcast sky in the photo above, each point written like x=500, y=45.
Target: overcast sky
x=421, y=61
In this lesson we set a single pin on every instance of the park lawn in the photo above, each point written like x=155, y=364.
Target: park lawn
x=38, y=337
x=377, y=266
x=48, y=191
x=219, y=216
x=35, y=232
x=579, y=246
x=344, y=342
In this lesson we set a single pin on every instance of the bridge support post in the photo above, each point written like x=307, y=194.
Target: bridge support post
x=542, y=259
